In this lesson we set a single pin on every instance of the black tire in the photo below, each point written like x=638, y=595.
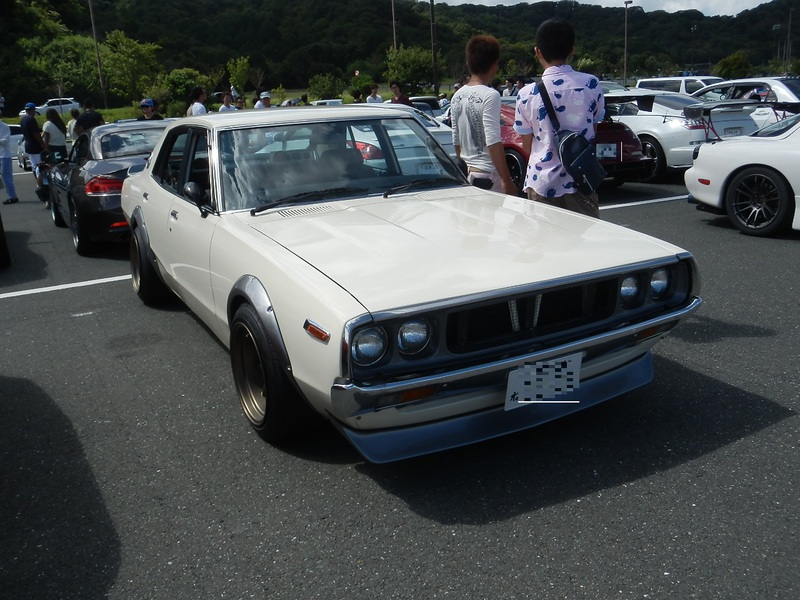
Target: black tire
x=652, y=149
x=55, y=214
x=145, y=280
x=80, y=239
x=517, y=168
x=269, y=401
x=759, y=201
x=611, y=183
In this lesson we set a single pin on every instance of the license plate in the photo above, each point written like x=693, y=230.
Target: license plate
x=733, y=131
x=606, y=150
x=428, y=169
x=544, y=382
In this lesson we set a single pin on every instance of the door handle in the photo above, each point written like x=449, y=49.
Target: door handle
x=174, y=214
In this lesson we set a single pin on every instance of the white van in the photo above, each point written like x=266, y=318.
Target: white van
x=684, y=85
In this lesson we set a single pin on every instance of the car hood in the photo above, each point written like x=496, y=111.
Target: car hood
x=416, y=248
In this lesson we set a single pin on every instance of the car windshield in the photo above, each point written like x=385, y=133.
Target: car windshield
x=312, y=162
x=129, y=143
x=779, y=128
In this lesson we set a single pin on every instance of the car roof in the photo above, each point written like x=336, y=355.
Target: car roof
x=134, y=125
x=286, y=115
x=678, y=78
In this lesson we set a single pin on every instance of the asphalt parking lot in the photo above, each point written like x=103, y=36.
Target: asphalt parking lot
x=128, y=471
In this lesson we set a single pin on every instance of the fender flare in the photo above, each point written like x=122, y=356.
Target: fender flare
x=137, y=222
x=250, y=290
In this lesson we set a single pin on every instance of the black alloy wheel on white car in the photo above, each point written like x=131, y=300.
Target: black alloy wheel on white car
x=652, y=149
x=759, y=201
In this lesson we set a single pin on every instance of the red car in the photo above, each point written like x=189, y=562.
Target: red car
x=618, y=149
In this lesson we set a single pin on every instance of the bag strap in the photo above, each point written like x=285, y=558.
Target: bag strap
x=548, y=104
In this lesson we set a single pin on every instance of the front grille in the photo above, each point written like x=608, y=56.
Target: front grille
x=502, y=322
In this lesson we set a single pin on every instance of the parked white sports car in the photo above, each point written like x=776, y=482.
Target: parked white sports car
x=412, y=310
x=671, y=127
x=752, y=179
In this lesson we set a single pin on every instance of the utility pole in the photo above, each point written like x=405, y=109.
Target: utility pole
x=97, y=53
x=433, y=51
x=788, y=64
x=394, y=28
x=625, y=52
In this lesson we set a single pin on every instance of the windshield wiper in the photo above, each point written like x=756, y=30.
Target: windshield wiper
x=311, y=196
x=418, y=183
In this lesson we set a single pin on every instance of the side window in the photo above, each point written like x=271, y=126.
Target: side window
x=692, y=86
x=197, y=165
x=717, y=93
x=80, y=149
x=168, y=167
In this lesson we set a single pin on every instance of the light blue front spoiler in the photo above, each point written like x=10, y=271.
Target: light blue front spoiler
x=407, y=442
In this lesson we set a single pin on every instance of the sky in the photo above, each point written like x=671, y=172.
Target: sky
x=710, y=8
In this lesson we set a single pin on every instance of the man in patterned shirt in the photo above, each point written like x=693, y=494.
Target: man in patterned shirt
x=578, y=101
x=476, y=117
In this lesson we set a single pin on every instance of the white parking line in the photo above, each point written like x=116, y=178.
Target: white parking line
x=643, y=202
x=66, y=286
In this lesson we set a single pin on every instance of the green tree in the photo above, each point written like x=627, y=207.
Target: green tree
x=413, y=67
x=131, y=67
x=238, y=68
x=70, y=66
x=360, y=82
x=175, y=88
x=325, y=85
x=733, y=66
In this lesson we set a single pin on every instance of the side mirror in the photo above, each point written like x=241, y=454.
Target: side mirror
x=193, y=192
x=482, y=182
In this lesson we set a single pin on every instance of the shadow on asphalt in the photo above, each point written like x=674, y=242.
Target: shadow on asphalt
x=58, y=537
x=680, y=417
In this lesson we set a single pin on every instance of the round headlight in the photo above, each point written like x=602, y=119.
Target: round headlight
x=659, y=283
x=629, y=289
x=369, y=346
x=413, y=336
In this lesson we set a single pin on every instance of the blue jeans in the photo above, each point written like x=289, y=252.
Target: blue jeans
x=8, y=178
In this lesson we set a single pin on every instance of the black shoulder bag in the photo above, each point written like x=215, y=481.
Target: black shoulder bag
x=577, y=154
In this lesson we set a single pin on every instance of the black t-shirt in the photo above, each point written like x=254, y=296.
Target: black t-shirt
x=89, y=119
x=155, y=117
x=30, y=128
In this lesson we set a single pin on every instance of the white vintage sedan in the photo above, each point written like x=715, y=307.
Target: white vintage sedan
x=752, y=179
x=353, y=273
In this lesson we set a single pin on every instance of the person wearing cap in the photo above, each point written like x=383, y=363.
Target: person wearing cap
x=34, y=144
x=148, y=111
x=264, y=100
